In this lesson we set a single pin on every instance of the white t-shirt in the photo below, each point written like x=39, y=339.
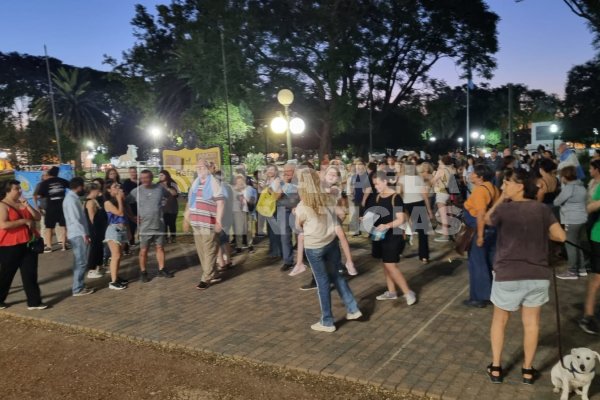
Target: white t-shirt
x=413, y=186
x=318, y=229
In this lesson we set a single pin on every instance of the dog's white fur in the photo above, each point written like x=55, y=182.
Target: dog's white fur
x=579, y=374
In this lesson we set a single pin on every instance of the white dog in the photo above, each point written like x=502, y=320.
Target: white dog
x=577, y=376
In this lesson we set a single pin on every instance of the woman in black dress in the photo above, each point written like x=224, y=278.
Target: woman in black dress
x=388, y=239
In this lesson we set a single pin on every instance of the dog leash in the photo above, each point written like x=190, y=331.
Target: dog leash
x=557, y=311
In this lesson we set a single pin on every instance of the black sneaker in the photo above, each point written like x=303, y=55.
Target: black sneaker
x=309, y=286
x=589, y=325
x=238, y=250
x=144, y=277
x=286, y=267
x=3, y=306
x=251, y=250
x=116, y=286
x=216, y=279
x=163, y=273
x=202, y=286
x=122, y=281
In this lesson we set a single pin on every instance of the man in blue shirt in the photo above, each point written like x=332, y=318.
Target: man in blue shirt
x=77, y=234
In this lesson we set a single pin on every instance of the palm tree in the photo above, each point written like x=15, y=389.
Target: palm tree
x=78, y=111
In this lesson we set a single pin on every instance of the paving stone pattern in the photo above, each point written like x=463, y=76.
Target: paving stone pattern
x=437, y=347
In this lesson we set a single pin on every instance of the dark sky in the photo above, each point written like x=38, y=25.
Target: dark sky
x=540, y=40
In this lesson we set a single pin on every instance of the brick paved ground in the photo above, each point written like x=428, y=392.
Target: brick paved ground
x=437, y=348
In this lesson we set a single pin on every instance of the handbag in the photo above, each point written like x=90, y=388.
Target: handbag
x=468, y=229
x=463, y=239
x=35, y=244
x=266, y=204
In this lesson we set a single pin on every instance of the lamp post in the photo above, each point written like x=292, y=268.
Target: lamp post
x=554, y=131
x=155, y=132
x=90, y=156
x=282, y=124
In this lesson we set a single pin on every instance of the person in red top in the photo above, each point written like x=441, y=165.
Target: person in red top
x=17, y=223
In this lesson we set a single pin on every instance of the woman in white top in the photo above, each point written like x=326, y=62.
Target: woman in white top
x=240, y=212
x=415, y=194
x=315, y=217
x=441, y=181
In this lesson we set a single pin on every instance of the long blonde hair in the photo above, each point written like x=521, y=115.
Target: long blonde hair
x=309, y=190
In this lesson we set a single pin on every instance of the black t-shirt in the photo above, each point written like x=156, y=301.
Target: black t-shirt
x=386, y=208
x=54, y=190
x=128, y=185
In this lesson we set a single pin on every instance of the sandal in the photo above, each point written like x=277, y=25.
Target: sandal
x=535, y=374
x=495, y=379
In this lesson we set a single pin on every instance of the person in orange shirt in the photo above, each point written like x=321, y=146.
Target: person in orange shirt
x=483, y=246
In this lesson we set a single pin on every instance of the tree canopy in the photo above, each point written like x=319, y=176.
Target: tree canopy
x=337, y=55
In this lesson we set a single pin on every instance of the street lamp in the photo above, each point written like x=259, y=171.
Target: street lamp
x=432, y=139
x=475, y=134
x=460, y=142
x=482, y=137
x=554, y=131
x=282, y=124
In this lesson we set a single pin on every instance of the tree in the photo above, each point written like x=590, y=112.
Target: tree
x=210, y=123
x=337, y=56
x=78, y=113
x=582, y=100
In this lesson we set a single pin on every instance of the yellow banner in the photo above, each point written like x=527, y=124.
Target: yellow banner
x=181, y=164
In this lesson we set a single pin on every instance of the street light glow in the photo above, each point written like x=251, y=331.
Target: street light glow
x=474, y=134
x=90, y=144
x=154, y=131
x=482, y=137
x=553, y=128
x=432, y=139
x=279, y=125
x=460, y=140
x=297, y=125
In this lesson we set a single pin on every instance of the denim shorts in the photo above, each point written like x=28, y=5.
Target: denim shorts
x=116, y=233
x=511, y=295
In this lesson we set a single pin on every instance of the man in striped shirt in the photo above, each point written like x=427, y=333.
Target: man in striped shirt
x=204, y=214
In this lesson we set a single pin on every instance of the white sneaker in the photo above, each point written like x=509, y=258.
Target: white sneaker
x=411, y=298
x=354, y=315
x=582, y=272
x=387, y=296
x=40, y=307
x=94, y=274
x=322, y=328
x=441, y=239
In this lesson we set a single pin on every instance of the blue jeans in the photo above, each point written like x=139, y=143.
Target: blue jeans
x=481, y=260
x=280, y=235
x=80, y=254
x=324, y=262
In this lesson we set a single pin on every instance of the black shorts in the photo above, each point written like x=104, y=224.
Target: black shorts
x=390, y=248
x=595, y=257
x=54, y=215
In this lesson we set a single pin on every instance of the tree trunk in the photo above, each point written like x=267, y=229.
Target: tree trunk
x=325, y=144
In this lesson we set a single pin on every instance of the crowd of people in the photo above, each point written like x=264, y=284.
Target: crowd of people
x=522, y=209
